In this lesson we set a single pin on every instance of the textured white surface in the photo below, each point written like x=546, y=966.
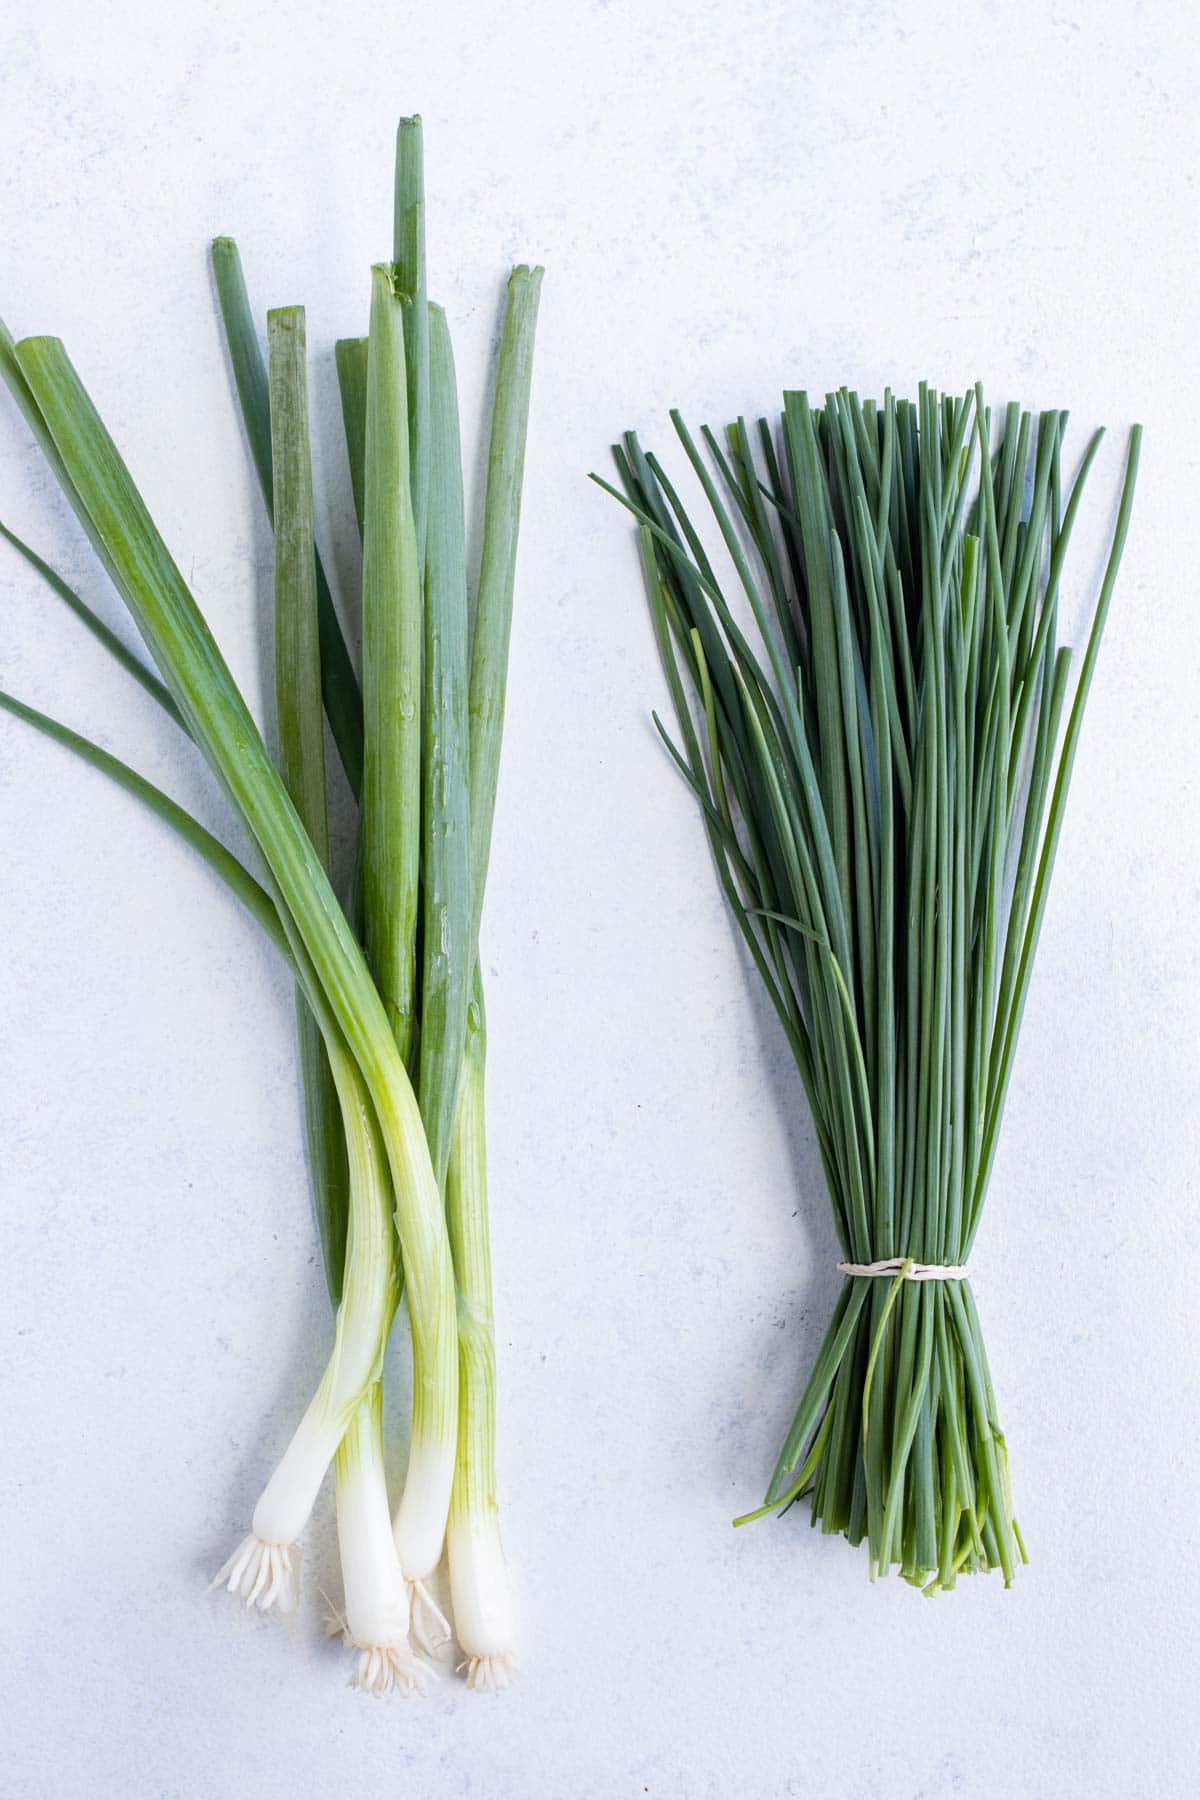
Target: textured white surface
x=728, y=197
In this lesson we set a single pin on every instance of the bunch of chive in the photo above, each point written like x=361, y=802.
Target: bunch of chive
x=872, y=731
x=389, y=997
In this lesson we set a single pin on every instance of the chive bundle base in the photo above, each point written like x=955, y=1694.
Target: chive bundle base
x=872, y=723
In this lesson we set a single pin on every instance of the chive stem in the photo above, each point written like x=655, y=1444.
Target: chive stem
x=883, y=790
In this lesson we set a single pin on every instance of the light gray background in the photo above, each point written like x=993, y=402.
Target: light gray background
x=728, y=198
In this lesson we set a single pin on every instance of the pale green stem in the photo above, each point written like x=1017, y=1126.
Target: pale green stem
x=408, y=253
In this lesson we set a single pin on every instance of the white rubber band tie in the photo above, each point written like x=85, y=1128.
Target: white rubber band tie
x=903, y=1265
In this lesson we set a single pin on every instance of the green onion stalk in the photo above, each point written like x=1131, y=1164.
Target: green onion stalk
x=872, y=723
x=394, y=810
x=465, y=660
x=410, y=510
x=391, y=1036
x=450, y=729
x=481, y=1590
x=349, y=1169
x=330, y=967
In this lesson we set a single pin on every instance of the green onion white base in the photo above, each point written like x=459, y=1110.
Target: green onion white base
x=482, y=1597
x=362, y=1324
x=377, y=1615
x=420, y=1522
x=480, y=1588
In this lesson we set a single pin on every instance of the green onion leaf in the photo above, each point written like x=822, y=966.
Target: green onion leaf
x=448, y=948
x=343, y=702
x=392, y=640
x=302, y=741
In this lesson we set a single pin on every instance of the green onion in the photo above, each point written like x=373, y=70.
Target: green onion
x=420, y=746
x=481, y=1590
x=485, y=1616
x=393, y=629
x=349, y=1171
x=869, y=725
x=206, y=696
x=377, y=1614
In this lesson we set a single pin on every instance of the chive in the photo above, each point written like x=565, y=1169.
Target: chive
x=1055, y=814
x=882, y=784
x=343, y=702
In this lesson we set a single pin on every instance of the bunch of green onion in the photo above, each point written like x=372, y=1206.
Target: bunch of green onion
x=873, y=729
x=389, y=998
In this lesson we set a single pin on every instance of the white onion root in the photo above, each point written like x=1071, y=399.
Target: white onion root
x=381, y=1669
x=430, y=1626
x=491, y=1674
x=262, y=1574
